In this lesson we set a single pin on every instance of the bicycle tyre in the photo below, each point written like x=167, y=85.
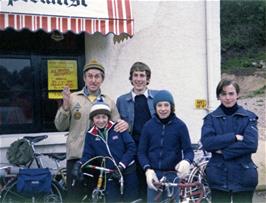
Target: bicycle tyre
x=197, y=174
x=10, y=195
x=98, y=199
x=60, y=178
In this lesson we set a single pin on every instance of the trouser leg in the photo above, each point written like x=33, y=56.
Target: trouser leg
x=218, y=196
x=243, y=197
x=74, y=192
x=142, y=183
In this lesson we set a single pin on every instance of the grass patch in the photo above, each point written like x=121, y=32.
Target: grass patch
x=257, y=92
x=242, y=65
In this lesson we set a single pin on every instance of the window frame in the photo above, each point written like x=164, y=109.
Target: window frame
x=38, y=63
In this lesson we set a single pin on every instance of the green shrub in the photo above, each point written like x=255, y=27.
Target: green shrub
x=243, y=35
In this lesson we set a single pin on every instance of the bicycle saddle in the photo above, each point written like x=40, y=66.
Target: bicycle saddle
x=35, y=139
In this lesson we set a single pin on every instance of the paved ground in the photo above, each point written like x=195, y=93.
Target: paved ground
x=259, y=197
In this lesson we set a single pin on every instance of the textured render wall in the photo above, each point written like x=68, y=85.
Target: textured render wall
x=171, y=38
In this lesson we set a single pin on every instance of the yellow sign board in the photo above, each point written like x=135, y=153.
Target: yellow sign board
x=55, y=95
x=200, y=104
x=61, y=73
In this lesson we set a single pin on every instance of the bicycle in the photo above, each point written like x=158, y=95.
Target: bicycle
x=194, y=187
x=59, y=172
x=99, y=178
x=171, y=193
x=197, y=174
x=99, y=164
x=9, y=191
x=7, y=174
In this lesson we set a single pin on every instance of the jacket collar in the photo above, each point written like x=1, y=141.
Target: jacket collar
x=129, y=96
x=134, y=94
x=83, y=92
x=94, y=130
x=219, y=112
x=174, y=117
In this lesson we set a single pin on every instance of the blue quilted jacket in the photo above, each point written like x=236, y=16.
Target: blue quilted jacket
x=231, y=167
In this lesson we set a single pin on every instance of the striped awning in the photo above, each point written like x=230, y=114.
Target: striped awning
x=104, y=16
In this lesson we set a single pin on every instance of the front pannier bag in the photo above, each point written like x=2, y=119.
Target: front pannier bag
x=34, y=181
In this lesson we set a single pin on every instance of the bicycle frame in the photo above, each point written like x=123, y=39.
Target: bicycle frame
x=165, y=185
x=98, y=194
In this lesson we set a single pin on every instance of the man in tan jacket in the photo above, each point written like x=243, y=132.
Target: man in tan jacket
x=73, y=115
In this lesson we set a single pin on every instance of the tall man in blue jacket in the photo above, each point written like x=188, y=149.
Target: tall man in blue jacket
x=136, y=107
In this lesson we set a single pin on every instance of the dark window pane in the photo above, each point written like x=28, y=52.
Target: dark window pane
x=16, y=91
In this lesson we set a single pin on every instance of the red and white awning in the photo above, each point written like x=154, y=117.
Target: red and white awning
x=104, y=16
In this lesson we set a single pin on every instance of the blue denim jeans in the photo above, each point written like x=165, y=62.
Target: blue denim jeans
x=171, y=177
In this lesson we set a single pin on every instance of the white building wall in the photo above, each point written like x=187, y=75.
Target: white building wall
x=179, y=40
x=182, y=50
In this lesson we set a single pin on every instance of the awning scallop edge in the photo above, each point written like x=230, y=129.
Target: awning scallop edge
x=119, y=21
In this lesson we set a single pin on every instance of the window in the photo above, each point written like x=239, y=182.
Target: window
x=16, y=91
x=24, y=103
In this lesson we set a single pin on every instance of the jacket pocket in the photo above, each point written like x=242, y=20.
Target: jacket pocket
x=249, y=175
x=216, y=174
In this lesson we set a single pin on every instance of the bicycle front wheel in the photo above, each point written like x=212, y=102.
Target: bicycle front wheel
x=198, y=175
x=10, y=195
x=60, y=179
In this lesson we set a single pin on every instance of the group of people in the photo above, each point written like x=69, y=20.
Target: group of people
x=146, y=140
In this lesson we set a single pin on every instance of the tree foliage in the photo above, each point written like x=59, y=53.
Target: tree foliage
x=243, y=24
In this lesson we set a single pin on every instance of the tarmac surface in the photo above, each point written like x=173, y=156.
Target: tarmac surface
x=259, y=197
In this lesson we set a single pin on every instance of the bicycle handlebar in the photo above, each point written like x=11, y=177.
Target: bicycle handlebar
x=100, y=168
x=106, y=170
x=161, y=185
x=165, y=185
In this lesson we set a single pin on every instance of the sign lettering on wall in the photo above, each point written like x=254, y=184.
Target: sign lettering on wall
x=61, y=73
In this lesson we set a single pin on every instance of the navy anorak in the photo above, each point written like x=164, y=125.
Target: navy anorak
x=231, y=167
x=162, y=146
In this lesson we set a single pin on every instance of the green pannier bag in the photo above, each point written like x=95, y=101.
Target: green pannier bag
x=20, y=152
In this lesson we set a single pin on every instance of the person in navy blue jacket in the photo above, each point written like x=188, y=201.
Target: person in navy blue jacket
x=103, y=140
x=230, y=134
x=165, y=147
